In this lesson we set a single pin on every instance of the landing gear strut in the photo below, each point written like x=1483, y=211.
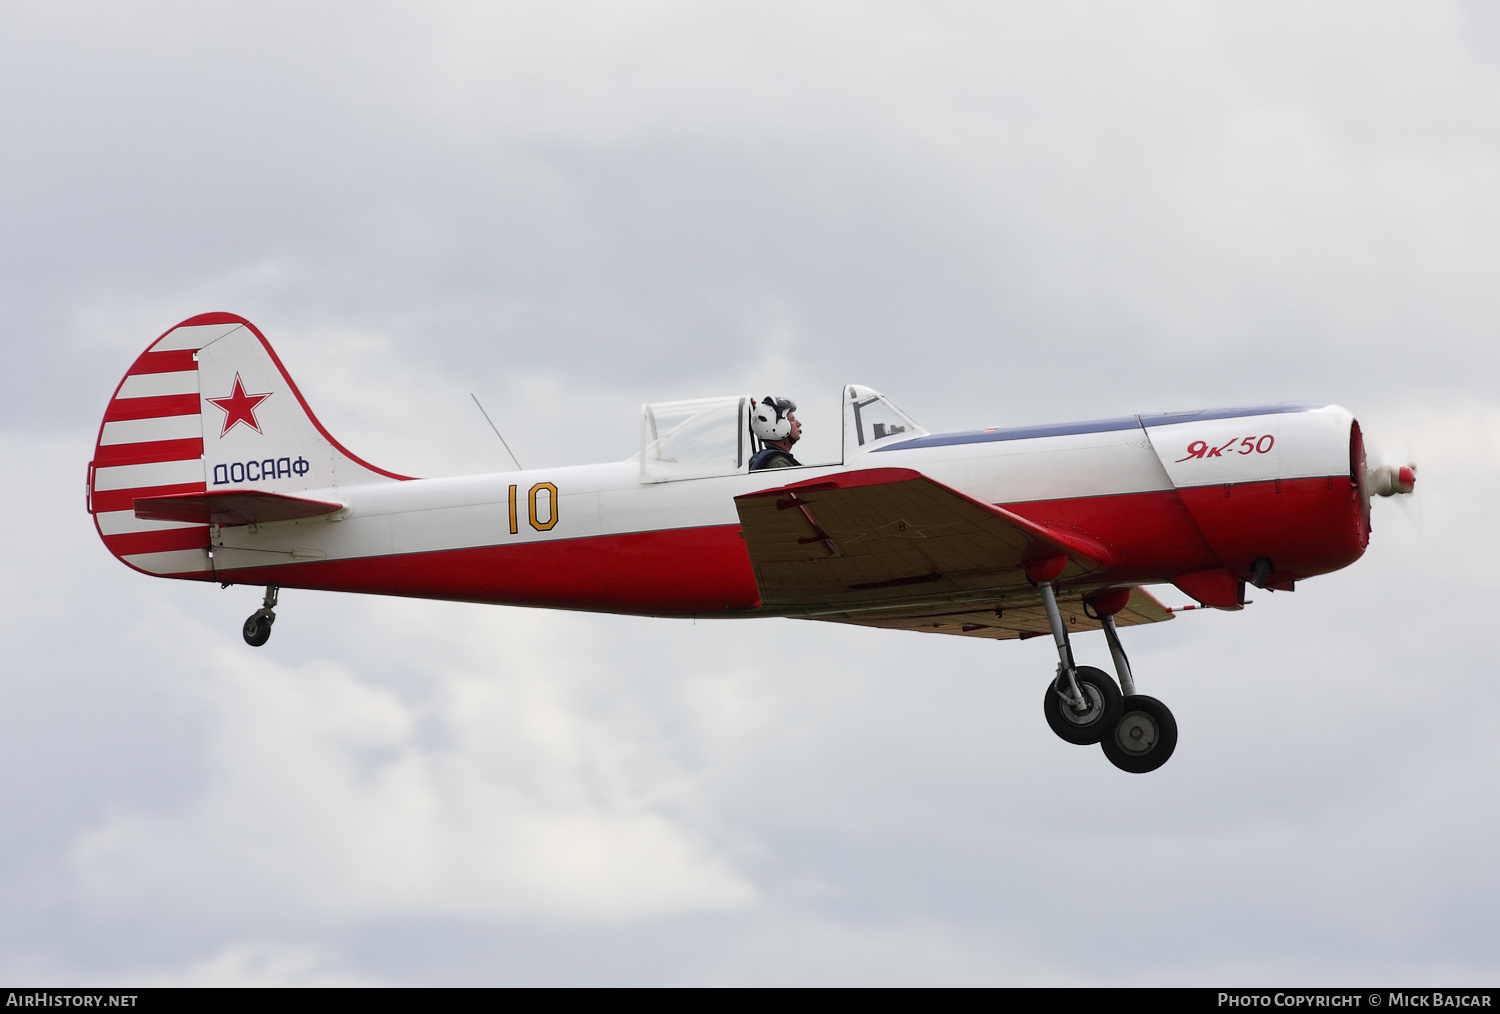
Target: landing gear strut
x=1083, y=706
x=1146, y=733
x=258, y=627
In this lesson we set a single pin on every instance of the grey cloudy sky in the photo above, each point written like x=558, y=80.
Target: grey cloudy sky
x=996, y=214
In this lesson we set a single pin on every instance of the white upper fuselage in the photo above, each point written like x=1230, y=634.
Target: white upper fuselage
x=998, y=467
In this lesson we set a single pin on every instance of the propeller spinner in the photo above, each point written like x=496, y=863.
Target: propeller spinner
x=1388, y=480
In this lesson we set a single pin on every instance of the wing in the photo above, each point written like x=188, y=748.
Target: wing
x=1017, y=617
x=891, y=543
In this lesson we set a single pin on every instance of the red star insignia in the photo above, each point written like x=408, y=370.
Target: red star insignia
x=239, y=407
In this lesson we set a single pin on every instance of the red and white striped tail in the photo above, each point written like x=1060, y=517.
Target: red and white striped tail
x=206, y=409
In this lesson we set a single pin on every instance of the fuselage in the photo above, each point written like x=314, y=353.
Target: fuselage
x=211, y=466
x=1192, y=498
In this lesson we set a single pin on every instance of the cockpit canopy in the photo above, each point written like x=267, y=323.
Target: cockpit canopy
x=711, y=436
x=693, y=439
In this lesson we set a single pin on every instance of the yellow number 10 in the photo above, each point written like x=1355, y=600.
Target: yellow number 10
x=531, y=505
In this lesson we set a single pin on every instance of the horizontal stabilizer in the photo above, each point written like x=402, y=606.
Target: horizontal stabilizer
x=231, y=507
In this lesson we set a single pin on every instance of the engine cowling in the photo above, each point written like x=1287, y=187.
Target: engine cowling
x=1279, y=492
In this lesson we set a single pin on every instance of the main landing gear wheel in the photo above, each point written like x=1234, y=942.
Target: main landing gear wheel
x=1101, y=711
x=1143, y=738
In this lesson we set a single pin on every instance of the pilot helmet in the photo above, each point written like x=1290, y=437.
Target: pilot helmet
x=768, y=418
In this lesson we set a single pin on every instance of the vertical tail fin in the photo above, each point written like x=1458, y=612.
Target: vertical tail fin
x=207, y=408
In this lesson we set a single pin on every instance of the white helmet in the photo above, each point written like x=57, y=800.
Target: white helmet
x=768, y=418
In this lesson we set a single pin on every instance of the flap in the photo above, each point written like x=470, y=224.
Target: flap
x=231, y=507
x=887, y=536
x=1018, y=617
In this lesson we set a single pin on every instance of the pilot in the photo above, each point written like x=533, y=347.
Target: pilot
x=774, y=421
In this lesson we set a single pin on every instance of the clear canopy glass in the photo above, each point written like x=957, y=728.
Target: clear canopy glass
x=711, y=436
x=693, y=439
x=871, y=420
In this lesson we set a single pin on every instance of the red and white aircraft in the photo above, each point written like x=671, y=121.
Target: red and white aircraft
x=210, y=466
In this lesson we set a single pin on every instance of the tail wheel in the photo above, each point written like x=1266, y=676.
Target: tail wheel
x=258, y=627
x=1143, y=738
x=1099, y=717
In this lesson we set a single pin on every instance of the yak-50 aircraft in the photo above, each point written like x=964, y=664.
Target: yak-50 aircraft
x=210, y=466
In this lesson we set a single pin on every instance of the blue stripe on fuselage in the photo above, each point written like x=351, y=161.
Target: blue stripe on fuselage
x=1099, y=425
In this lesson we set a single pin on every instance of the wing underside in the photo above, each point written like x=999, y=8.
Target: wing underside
x=1018, y=618
x=893, y=548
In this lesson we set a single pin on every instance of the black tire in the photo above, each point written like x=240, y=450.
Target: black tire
x=1092, y=726
x=1144, y=737
x=258, y=629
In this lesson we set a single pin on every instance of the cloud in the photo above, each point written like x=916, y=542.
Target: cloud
x=492, y=794
x=263, y=966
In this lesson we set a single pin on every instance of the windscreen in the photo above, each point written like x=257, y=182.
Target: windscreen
x=870, y=421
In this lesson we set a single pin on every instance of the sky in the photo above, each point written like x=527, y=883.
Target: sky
x=996, y=214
